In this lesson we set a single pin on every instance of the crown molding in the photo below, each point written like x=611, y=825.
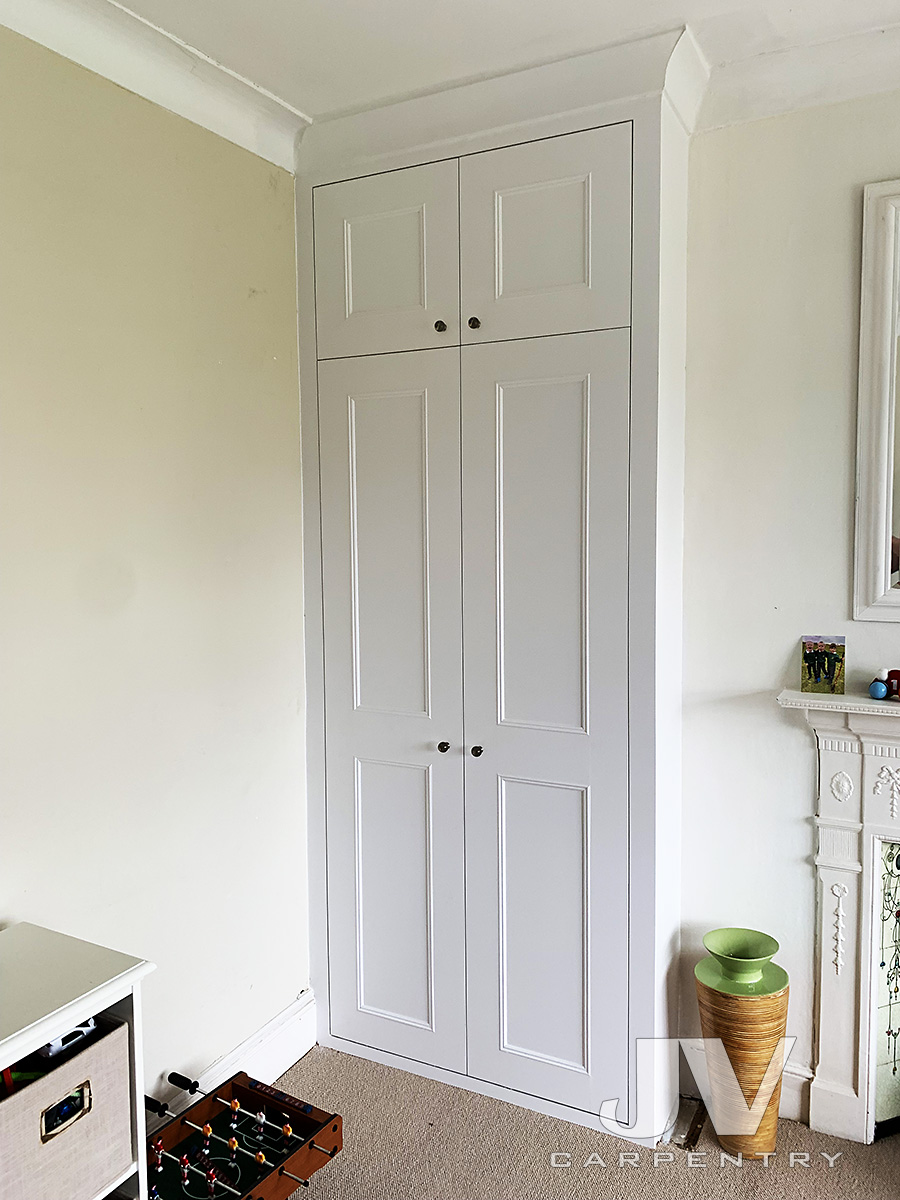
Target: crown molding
x=111, y=41
x=108, y=39
x=785, y=81
x=687, y=80
x=587, y=88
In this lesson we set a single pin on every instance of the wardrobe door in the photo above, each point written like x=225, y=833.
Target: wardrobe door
x=387, y=261
x=545, y=513
x=389, y=433
x=545, y=233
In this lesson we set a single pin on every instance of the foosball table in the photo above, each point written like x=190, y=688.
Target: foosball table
x=246, y=1140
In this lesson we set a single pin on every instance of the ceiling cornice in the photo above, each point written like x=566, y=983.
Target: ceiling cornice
x=590, y=87
x=105, y=37
x=687, y=80
x=784, y=81
x=109, y=40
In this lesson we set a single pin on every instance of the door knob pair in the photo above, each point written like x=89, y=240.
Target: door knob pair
x=477, y=751
x=473, y=323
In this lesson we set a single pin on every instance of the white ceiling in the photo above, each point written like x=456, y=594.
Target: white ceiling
x=328, y=56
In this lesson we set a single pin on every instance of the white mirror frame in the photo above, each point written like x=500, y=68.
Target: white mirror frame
x=873, y=597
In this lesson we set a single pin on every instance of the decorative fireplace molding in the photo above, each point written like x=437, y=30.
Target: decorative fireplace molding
x=858, y=807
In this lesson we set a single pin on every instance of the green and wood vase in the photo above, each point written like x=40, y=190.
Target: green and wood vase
x=743, y=999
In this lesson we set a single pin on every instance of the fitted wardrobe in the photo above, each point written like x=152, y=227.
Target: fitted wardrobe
x=491, y=369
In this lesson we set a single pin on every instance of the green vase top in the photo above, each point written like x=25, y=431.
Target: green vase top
x=740, y=963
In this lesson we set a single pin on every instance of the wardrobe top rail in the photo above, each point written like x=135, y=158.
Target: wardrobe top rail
x=464, y=154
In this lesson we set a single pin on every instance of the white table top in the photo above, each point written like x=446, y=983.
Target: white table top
x=43, y=974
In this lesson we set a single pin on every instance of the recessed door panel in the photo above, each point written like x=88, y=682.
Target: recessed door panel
x=542, y=533
x=390, y=548
x=561, y=209
x=544, y=922
x=387, y=266
x=384, y=261
x=545, y=519
x=394, y=892
x=545, y=231
x=390, y=477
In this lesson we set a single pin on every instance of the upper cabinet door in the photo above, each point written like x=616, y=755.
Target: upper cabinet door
x=546, y=236
x=387, y=261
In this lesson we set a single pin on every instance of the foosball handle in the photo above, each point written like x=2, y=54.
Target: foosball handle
x=296, y=1178
x=158, y=1107
x=182, y=1081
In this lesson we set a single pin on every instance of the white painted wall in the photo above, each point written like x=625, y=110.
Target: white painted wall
x=151, y=709
x=773, y=322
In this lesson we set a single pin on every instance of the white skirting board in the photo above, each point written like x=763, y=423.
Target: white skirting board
x=284, y=1040
x=265, y=1054
x=550, y=1108
x=794, y=1091
x=269, y=1052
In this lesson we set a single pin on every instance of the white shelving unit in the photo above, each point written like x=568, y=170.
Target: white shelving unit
x=49, y=983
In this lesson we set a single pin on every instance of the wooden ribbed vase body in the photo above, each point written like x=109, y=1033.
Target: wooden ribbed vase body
x=750, y=1028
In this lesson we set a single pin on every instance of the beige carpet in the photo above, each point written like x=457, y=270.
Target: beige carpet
x=407, y=1138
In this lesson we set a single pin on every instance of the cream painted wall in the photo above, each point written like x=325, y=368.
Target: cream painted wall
x=773, y=319
x=151, y=779
x=150, y=623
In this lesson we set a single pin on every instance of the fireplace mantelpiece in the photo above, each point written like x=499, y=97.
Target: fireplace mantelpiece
x=858, y=806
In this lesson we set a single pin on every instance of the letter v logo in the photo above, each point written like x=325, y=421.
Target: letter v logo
x=708, y=1060
x=725, y=1101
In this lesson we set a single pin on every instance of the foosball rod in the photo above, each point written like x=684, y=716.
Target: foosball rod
x=321, y=1149
x=255, y=1117
x=191, y=1086
x=281, y=1171
x=216, y=1137
x=191, y=1167
x=296, y=1178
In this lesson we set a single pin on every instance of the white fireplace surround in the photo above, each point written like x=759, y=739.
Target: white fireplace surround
x=858, y=807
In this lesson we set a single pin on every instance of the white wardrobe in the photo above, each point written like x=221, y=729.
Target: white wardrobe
x=493, y=616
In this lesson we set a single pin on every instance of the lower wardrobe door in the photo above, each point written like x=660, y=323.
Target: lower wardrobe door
x=545, y=511
x=389, y=451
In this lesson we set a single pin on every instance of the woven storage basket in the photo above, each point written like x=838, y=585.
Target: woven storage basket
x=89, y=1153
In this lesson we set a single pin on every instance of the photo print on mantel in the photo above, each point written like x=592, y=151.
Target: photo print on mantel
x=822, y=664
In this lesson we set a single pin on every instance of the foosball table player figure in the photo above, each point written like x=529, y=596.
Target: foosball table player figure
x=246, y=1140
